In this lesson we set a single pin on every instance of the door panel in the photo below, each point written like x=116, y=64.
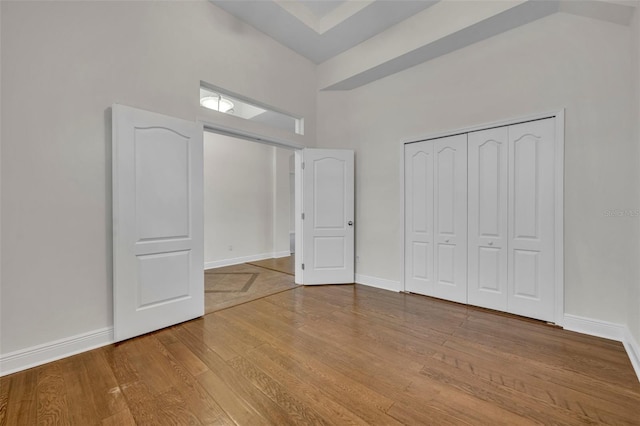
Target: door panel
x=419, y=217
x=488, y=156
x=329, y=252
x=490, y=269
x=450, y=218
x=526, y=274
x=163, y=277
x=526, y=191
x=162, y=183
x=157, y=221
x=328, y=207
x=531, y=219
x=329, y=195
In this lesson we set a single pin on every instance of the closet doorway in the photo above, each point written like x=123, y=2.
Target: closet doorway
x=483, y=211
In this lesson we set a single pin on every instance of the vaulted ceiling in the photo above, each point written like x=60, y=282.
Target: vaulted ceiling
x=359, y=41
x=319, y=30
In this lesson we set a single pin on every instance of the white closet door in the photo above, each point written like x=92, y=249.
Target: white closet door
x=419, y=217
x=450, y=218
x=487, y=280
x=531, y=219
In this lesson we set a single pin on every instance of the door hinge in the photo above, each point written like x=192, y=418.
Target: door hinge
x=303, y=266
x=302, y=216
x=303, y=165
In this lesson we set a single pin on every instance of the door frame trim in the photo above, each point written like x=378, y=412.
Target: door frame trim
x=213, y=127
x=559, y=115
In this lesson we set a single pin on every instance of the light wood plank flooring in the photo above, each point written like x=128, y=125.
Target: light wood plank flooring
x=285, y=265
x=232, y=285
x=336, y=355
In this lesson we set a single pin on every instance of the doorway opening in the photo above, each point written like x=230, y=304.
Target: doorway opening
x=249, y=205
x=158, y=217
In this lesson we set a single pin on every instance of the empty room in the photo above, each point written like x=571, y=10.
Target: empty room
x=459, y=181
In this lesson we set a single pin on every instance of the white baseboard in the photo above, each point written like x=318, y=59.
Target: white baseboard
x=593, y=327
x=237, y=260
x=378, y=282
x=633, y=350
x=53, y=351
x=279, y=254
x=606, y=330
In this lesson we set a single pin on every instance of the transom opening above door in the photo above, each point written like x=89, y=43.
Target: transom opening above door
x=225, y=102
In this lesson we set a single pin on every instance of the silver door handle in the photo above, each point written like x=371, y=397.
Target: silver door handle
x=490, y=243
x=446, y=241
x=350, y=223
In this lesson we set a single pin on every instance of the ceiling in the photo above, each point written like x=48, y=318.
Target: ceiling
x=355, y=42
x=320, y=30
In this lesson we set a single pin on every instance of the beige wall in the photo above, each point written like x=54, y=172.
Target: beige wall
x=63, y=65
x=559, y=61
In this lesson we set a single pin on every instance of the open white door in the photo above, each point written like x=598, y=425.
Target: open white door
x=327, y=218
x=158, y=236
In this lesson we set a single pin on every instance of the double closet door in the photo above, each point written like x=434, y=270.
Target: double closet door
x=479, y=218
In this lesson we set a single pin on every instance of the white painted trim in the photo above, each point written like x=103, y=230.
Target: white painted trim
x=299, y=273
x=593, y=327
x=53, y=351
x=633, y=350
x=606, y=330
x=211, y=126
x=238, y=260
x=559, y=115
x=378, y=282
x=274, y=197
x=278, y=254
x=485, y=126
x=559, y=218
x=403, y=213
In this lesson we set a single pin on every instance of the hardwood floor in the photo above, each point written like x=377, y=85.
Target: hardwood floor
x=336, y=355
x=285, y=265
x=236, y=284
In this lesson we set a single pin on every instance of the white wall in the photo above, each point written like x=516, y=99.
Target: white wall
x=63, y=65
x=559, y=61
x=243, y=203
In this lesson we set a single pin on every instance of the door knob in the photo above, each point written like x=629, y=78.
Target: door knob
x=490, y=243
x=350, y=223
x=446, y=241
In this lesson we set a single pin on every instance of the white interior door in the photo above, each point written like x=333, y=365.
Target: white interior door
x=328, y=217
x=450, y=218
x=157, y=221
x=487, y=180
x=419, y=217
x=531, y=219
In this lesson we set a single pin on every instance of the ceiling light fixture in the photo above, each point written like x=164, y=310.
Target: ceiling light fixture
x=217, y=103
